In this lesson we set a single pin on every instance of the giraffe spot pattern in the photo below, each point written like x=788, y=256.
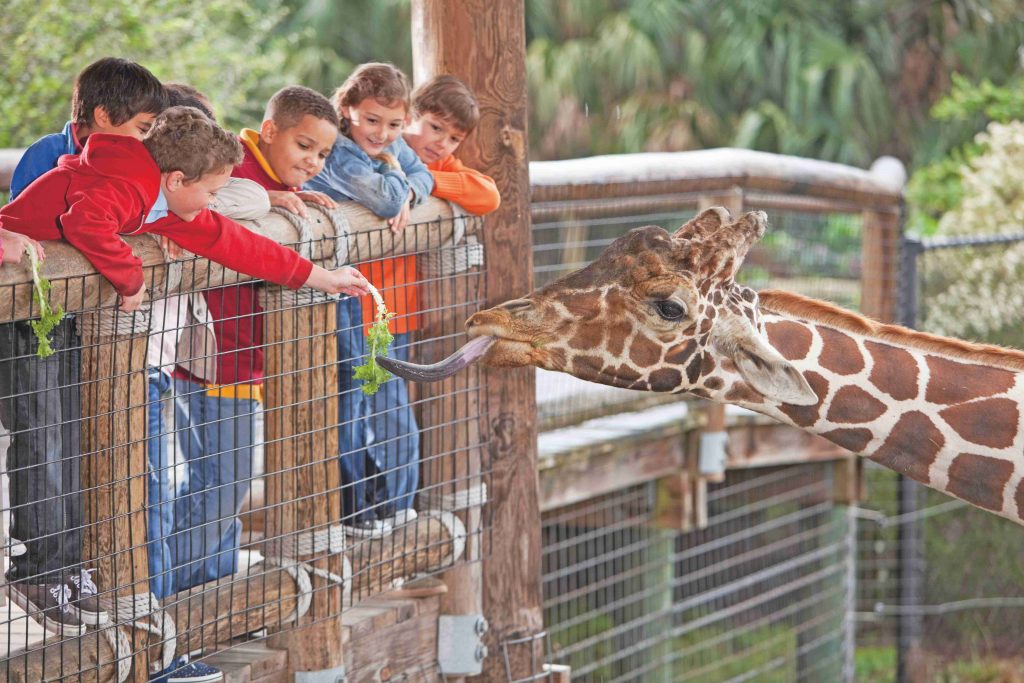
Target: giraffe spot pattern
x=741, y=391
x=693, y=369
x=855, y=440
x=665, y=379
x=991, y=422
x=587, y=337
x=839, y=352
x=979, y=479
x=700, y=392
x=618, y=333
x=791, y=340
x=581, y=303
x=911, y=446
x=679, y=354
x=952, y=382
x=805, y=416
x=714, y=383
x=707, y=366
x=1019, y=498
x=644, y=352
x=893, y=371
x=626, y=373
x=853, y=405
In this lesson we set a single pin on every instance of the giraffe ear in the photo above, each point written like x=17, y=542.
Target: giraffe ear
x=767, y=372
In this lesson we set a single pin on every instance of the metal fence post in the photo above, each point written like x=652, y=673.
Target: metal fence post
x=910, y=623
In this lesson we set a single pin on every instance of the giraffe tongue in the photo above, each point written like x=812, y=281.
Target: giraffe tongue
x=470, y=353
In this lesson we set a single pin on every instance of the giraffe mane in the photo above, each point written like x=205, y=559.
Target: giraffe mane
x=800, y=306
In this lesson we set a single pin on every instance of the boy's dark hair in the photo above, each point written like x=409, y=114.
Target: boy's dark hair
x=382, y=81
x=185, y=139
x=123, y=88
x=289, y=104
x=184, y=95
x=450, y=99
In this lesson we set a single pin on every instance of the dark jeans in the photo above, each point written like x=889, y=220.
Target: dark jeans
x=40, y=403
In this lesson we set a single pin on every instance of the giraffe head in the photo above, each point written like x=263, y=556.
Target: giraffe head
x=655, y=312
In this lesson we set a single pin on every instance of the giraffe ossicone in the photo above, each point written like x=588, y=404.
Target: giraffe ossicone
x=661, y=312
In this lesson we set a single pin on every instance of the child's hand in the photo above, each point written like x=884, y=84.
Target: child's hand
x=288, y=200
x=345, y=280
x=316, y=198
x=14, y=245
x=399, y=222
x=131, y=303
x=390, y=160
x=171, y=247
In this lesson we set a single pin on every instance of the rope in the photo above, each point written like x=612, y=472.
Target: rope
x=456, y=531
x=139, y=605
x=330, y=540
x=454, y=256
x=472, y=496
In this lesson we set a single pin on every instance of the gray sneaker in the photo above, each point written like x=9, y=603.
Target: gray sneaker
x=49, y=604
x=85, y=603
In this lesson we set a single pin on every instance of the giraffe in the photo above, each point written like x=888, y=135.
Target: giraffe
x=661, y=312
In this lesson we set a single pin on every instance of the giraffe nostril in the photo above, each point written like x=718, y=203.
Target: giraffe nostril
x=517, y=305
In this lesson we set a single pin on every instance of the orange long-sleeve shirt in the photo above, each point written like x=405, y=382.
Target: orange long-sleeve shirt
x=456, y=182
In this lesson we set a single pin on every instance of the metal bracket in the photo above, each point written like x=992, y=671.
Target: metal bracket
x=334, y=675
x=460, y=646
x=713, y=452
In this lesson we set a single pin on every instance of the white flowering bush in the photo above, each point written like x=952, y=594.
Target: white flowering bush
x=978, y=293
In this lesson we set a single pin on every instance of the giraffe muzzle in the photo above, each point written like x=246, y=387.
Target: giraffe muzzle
x=471, y=352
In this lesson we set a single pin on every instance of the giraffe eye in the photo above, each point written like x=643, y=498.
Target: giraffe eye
x=670, y=310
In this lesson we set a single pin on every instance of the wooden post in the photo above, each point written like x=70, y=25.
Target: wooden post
x=303, y=480
x=113, y=471
x=484, y=43
x=880, y=234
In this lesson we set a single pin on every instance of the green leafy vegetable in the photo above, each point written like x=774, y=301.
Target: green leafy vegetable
x=48, y=316
x=378, y=340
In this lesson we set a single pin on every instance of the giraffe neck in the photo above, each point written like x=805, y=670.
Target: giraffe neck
x=949, y=422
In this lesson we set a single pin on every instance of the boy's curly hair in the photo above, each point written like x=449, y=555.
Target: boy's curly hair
x=382, y=81
x=289, y=104
x=450, y=99
x=185, y=139
x=122, y=87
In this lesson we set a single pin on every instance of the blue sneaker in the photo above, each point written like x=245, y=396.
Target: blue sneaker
x=194, y=672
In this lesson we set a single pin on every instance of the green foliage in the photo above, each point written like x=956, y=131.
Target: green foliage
x=48, y=316
x=226, y=48
x=378, y=340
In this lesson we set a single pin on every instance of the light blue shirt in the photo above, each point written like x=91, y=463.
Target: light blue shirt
x=159, y=209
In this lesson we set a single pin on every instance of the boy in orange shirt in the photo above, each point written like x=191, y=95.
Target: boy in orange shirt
x=444, y=112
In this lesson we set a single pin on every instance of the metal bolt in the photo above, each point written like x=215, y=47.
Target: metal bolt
x=481, y=652
x=481, y=626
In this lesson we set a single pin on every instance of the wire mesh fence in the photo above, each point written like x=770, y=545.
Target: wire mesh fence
x=207, y=471
x=761, y=593
x=960, y=591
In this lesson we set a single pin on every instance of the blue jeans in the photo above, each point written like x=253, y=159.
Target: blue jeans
x=216, y=436
x=160, y=512
x=377, y=435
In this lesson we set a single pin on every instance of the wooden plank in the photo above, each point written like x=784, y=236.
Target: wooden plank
x=484, y=43
x=880, y=234
x=114, y=471
x=303, y=480
x=78, y=287
x=410, y=644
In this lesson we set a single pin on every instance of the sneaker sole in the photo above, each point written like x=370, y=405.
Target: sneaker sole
x=35, y=612
x=90, y=618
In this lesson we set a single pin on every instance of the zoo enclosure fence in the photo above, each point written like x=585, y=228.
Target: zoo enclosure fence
x=208, y=516
x=656, y=566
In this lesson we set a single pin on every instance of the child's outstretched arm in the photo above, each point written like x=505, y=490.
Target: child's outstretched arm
x=346, y=280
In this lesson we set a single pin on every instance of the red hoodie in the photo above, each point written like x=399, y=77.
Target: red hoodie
x=93, y=198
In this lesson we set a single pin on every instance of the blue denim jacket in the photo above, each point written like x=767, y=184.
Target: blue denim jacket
x=350, y=173
x=41, y=157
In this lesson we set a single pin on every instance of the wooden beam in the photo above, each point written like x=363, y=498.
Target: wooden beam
x=880, y=236
x=114, y=470
x=209, y=616
x=303, y=479
x=77, y=286
x=484, y=43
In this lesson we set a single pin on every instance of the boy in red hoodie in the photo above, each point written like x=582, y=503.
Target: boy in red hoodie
x=215, y=417
x=121, y=186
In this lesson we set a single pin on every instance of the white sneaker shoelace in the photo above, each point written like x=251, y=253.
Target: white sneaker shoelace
x=62, y=594
x=84, y=582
